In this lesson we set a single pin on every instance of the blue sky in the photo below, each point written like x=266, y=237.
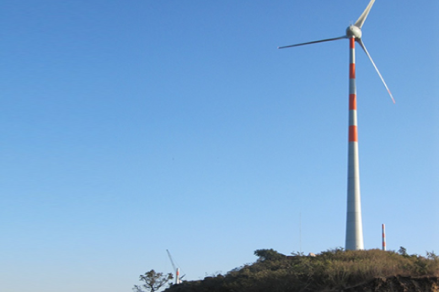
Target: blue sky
x=132, y=127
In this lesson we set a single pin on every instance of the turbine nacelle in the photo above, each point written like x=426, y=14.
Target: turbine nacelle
x=354, y=31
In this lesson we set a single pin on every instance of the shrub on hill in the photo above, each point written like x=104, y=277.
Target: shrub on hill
x=330, y=270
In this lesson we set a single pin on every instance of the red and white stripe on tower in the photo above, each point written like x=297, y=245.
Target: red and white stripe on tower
x=177, y=276
x=354, y=228
x=384, y=237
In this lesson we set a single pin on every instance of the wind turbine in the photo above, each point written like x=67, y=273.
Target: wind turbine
x=354, y=227
x=176, y=270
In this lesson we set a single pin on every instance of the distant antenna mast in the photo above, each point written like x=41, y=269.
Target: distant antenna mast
x=176, y=270
x=300, y=232
x=384, y=236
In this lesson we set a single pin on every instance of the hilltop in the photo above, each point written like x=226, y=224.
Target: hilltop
x=332, y=270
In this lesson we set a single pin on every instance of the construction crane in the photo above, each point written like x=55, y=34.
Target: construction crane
x=176, y=270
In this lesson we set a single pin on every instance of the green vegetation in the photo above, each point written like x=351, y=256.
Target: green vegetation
x=153, y=281
x=331, y=270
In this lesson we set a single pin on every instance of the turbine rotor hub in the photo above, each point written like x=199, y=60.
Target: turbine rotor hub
x=354, y=31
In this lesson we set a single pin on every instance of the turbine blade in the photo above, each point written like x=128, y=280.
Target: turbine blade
x=314, y=42
x=376, y=68
x=360, y=21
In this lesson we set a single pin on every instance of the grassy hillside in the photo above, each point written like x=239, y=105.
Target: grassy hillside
x=332, y=270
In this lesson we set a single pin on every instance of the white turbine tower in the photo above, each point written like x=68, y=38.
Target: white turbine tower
x=354, y=227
